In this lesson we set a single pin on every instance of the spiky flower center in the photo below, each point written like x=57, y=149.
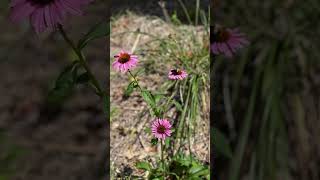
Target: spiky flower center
x=41, y=2
x=222, y=35
x=123, y=58
x=161, y=129
x=176, y=72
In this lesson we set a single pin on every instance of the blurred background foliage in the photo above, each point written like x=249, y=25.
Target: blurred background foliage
x=266, y=99
x=39, y=140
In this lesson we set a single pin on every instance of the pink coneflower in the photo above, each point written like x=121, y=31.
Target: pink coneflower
x=45, y=14
x=227, y=41
x=177, y=74
x=161, y=128
x=125, y=61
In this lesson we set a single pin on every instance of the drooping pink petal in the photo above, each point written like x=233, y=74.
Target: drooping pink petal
x=16, y=2
x=45, y=14
x=37, y=20
x=21, y=11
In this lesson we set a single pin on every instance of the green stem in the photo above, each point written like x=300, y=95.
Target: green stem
x=134, y=78
x=182, y=119
x=162, y=160
x=82, y=60
x=197, y=12
x=189, y=141
x=167, y=104
x=136, y=81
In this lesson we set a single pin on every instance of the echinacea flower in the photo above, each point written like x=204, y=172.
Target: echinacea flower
x=161, y=128
x=125, y=61
x=177, y=74
x=227, y=41
x=45, y=14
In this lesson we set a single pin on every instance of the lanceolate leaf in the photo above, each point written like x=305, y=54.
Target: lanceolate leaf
x=199, y=172
x=66, y=81
x=148, y=97
x=144, y=165
x=177, y=105
x=130, y=88
x=64, y=84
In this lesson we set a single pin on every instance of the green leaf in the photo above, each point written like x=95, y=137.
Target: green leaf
x=130, y=88
x=157, y=97
x=148, y=97
x=221, y=143
x=151, y=101
x=64, y=84
x=198, y=170
x=101, y=29
x=177, y=105
x=154, y=141
x=195, y=169
x=144, y=165
x=202, y=173
x=174, y=18
x=167, y=142
x=176, y=176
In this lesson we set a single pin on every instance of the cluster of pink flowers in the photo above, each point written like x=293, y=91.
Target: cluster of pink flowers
x=227, y=41
x=125, y=61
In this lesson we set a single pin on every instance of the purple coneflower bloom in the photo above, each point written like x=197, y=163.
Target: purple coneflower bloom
x=177, y=74
x=228, y=41
x=124, y=61
x=161, y=128
x=45, y=14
